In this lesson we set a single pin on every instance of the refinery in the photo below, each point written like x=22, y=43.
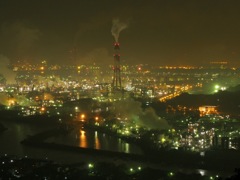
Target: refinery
x=172, y=119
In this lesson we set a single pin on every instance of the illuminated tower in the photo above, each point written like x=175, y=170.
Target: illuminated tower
x=116, y=68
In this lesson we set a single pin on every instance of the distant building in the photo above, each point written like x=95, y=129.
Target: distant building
x=207, y=110
x=225, y=142
x=220, y=142
x=215, y=141
x=219, y=64
x=235, y=143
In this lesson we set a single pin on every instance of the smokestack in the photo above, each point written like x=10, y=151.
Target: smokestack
x=117, y=84
x=116, y=46
x=117, y=27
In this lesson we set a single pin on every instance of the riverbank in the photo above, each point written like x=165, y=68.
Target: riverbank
x=38, y=140
x=175, y=159
x=212, y=159
x=178, y=160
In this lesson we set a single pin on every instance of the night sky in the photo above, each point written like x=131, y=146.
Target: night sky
x=163, y=32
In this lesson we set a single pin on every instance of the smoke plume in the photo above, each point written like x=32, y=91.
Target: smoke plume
x=23, y=101
x=8, y=74
x=18, y=40
x=133, y=111
x=117, y=27
x=150, y=120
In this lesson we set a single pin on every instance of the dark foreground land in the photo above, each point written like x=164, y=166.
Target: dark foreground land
x=213, y=160
x=218, y=161
x=28, y=168
x=177, y=160
x=2, y=128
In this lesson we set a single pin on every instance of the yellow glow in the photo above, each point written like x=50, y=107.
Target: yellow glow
x=83, y=116
x=83, y=139
x=11, y=102
x=97, y=143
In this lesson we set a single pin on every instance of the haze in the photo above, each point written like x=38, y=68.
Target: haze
x=160, y=32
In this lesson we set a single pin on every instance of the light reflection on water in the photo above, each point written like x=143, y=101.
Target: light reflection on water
x=126, y=147
x=96, y=140
x=10, y=144
x=97, y=144
x=202, y=172
x=83, y=139
x=11, y=138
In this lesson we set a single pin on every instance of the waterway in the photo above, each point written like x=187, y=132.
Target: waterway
x=16, y=132
x=93, y=139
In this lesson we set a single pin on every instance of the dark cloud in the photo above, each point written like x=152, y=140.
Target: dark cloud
x=161, y=32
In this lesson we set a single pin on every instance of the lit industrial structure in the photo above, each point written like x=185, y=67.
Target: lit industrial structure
x=207, y=110
x=117, y=84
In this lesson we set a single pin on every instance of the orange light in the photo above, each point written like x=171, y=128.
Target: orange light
x=82, y=116
x=11, y=102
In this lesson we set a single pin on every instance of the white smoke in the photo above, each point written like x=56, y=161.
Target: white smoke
x=8, y=74
x=117, y=27
x=18, y=40
x=133, y=111
x=23, y=101
x=150, y=119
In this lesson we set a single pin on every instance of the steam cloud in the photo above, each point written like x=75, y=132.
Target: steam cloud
x=8, y=74
x=117, y=27
x=23, y=101
x=19, y=99
x=132, y=110
x=18, y=40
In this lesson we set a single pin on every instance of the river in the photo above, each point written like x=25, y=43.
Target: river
x=16, y=132
x=93, y=139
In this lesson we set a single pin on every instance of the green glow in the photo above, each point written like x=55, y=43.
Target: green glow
x=90, y=165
